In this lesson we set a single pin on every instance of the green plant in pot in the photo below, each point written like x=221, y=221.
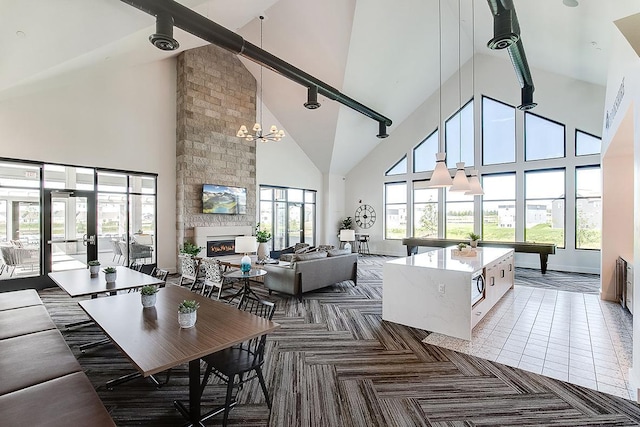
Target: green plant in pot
x=190, y=248
x=187, y=313
x=462, y=246
x=110, y=274
x=473, y=239
x=262, y=236
x=94, y=268
x=148, y=295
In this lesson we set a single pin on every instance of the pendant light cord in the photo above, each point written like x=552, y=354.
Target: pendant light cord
x=441, y=138
x=459, y=83
x=261, y=68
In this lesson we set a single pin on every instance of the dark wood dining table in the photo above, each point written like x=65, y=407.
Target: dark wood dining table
x=153, y=341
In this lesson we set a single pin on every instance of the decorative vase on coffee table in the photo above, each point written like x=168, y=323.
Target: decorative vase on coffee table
x=263, y=251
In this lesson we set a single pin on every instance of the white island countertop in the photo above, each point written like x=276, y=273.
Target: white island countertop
x=445, y=259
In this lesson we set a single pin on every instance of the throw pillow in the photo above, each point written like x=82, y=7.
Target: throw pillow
x=309, y=256
x=338, y=252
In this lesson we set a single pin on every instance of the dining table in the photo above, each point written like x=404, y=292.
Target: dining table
x=153, y=341
x=79, y=283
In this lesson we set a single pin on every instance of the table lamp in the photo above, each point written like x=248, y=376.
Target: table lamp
x=347, y=236
x=245, y=244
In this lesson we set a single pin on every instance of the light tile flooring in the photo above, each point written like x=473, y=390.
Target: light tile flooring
x=569, y=336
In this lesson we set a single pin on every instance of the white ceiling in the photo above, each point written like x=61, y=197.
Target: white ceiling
x=384, y=57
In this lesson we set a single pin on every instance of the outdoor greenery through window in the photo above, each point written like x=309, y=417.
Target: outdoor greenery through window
x=543, y=138
x=544, y=204
x=424, y=155
x=425, y=210
x=289, y=214
x=459, y=135
x=459, y=215
x=588, y=207
x=499, y=207
x=395, y=210
x=498, y=132
x=587, y=144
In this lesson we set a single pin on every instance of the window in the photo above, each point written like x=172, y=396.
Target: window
x=498, y=132
x=588, y=207
x=544, y=203
x=398, y=168
x=499, y=207
x=587, y=144
x=424, y=155
x=289, y=214
x=461, y=123
x=543, y=139
x=459, y=215
x=395, y=210
x=425, y=210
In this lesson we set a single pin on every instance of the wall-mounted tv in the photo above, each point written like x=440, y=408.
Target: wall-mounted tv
x=220, y=199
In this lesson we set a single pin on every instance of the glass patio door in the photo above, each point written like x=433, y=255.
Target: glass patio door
x=70, y=229
x=294, y=223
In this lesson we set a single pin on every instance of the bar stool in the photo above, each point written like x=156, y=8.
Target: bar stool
x=363, y=244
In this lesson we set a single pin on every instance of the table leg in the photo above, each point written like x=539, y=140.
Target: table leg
x=543, y=262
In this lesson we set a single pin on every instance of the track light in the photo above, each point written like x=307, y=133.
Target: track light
x=382, y=130
x=163, y=38
x=312, y=98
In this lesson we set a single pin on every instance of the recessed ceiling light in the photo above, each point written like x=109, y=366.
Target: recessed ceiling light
x=570, y=3
x=21, y=34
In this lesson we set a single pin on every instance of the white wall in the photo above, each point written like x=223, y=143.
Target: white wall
x=575, y=103
x=122, y=120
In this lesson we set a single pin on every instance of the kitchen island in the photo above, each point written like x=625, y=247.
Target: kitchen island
x=444, y=290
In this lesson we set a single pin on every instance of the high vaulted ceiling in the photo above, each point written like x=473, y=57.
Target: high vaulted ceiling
x=384, y=55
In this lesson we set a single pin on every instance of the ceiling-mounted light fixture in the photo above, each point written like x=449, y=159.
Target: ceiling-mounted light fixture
x=382, y=130
x=312, y=98
x=440, y=177
x=163, y=37
x=570, y=3
x=460, y=181
x=274, y=134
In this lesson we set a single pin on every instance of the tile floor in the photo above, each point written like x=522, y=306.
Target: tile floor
x=569, y=336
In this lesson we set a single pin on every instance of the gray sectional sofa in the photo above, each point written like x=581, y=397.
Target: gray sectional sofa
x=311, y=271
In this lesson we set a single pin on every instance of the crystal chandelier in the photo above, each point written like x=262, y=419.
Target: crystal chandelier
x=258, y=134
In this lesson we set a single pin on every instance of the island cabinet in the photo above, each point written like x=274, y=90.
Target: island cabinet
x=446, y=291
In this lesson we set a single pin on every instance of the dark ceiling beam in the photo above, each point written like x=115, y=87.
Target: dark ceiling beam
x=214, y=33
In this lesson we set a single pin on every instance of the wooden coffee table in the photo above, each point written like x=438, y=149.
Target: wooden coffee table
x=153, y=341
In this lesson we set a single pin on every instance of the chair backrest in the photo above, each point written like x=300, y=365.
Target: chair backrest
x=212, y=271
x=189, y=266
x=261, y=308
x=9, y=255
x=136, y=266
x=123, y=248
x=116, y=247
x=159, y=273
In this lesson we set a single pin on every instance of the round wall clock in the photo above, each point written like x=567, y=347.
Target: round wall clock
x=365, y=216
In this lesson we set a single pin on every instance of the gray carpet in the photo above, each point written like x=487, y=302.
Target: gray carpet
x=334, y=362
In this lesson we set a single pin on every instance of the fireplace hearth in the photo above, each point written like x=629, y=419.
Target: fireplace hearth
x=220, y=247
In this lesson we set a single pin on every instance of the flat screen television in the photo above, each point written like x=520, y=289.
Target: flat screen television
x=221, y=199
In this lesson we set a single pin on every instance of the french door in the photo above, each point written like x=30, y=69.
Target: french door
x=69, y=229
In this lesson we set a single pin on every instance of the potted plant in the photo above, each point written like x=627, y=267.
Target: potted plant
x=148, y=295
x=462, y=247
x=190, y=248
x=110, y=274
x=473, y=239
x=187, y=313
x=94, y=268
x=262, y=236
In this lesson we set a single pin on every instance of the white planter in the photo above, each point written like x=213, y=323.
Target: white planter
x=473, y=243
x=111, y=277
x=263, y=251
x=94, y=270
x=187, y=320
x=148, y=300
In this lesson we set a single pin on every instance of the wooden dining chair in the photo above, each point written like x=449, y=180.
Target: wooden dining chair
x=241, y=363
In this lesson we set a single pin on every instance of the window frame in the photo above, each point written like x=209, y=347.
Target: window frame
x=576, y=198
x=515, y=202
x=524, y=138
x=564, y=198
x=436, y=132
x=575, y=148
x=406, y=204
x=482, y=133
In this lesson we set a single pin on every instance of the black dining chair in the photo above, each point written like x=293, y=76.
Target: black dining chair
x=241, y=363
x=159, y=273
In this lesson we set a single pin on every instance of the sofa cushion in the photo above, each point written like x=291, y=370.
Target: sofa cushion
x=338, y=252
x=307, y=257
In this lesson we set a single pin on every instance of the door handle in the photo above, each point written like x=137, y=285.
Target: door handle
x=91, y=240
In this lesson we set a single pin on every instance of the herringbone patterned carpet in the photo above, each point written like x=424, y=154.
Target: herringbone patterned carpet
x=334, y=362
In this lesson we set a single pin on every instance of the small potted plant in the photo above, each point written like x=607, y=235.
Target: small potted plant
x=148, y=295
x=462, y=247
x=262, y=236
x=190, y=248
x=473, y=239
x=110, y=274
x=94, y=268
x=187, y=313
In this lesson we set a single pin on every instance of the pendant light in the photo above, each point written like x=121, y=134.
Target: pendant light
x=474, y=181
x=274, y=134
x=460, y=181
x=440, y=177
